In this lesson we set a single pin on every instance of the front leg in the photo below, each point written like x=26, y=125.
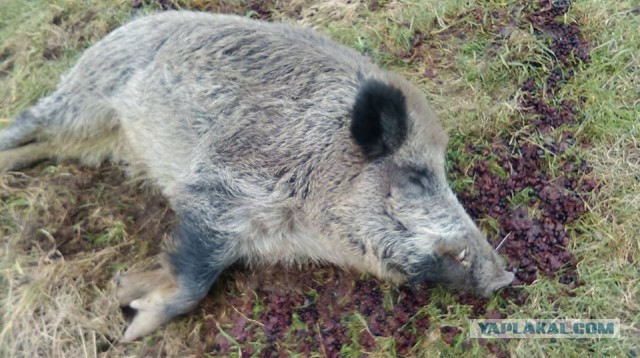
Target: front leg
x=194, y=259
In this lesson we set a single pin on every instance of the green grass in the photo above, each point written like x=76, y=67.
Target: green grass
x=41, y=39
x=117, y=232
x=474, y=90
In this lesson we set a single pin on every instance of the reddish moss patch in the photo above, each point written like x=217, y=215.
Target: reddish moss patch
x=319, y=310
x=538, y=242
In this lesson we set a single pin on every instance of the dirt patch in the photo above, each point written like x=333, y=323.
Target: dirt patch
x=68, y=231
x=87, y=210
x=375, y=5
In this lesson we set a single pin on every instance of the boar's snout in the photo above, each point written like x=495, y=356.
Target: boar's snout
x=470, y=265
x=503, y=280
x=489, y=274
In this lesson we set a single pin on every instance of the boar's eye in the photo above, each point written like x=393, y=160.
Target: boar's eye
x=416, y=179
x=412, y=184
x=422, y=179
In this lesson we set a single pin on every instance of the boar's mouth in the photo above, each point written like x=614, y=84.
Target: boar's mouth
x=439, y=270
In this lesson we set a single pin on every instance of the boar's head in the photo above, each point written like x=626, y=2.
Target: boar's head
x=404, y=209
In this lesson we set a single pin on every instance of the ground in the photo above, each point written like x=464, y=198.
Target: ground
x=541, y=99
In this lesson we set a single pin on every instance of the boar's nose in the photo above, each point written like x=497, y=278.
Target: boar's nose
x=501, y=281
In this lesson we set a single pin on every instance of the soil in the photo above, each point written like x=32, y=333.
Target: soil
x=88, y=203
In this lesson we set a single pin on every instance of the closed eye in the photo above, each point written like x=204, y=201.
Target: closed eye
x=416, y=180
x=424, y=179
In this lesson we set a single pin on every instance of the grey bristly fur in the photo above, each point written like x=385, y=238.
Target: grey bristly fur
x=272, y=144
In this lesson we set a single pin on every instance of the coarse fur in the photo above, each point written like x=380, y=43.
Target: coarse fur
x=273, y=144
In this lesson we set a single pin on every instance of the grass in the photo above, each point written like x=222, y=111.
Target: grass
x=472, y=65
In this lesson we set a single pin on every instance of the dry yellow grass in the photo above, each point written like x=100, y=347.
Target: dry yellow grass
x=66, y=232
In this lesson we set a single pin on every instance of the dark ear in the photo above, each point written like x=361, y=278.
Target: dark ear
x=379, y=122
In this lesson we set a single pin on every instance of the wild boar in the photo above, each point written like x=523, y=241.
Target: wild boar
x=273, y=144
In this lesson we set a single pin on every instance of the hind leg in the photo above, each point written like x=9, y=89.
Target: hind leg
x=18, y=143
x=196, y=258
x=68, y=124
x=91, y=136
x=24, y=156
x=21, y=131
